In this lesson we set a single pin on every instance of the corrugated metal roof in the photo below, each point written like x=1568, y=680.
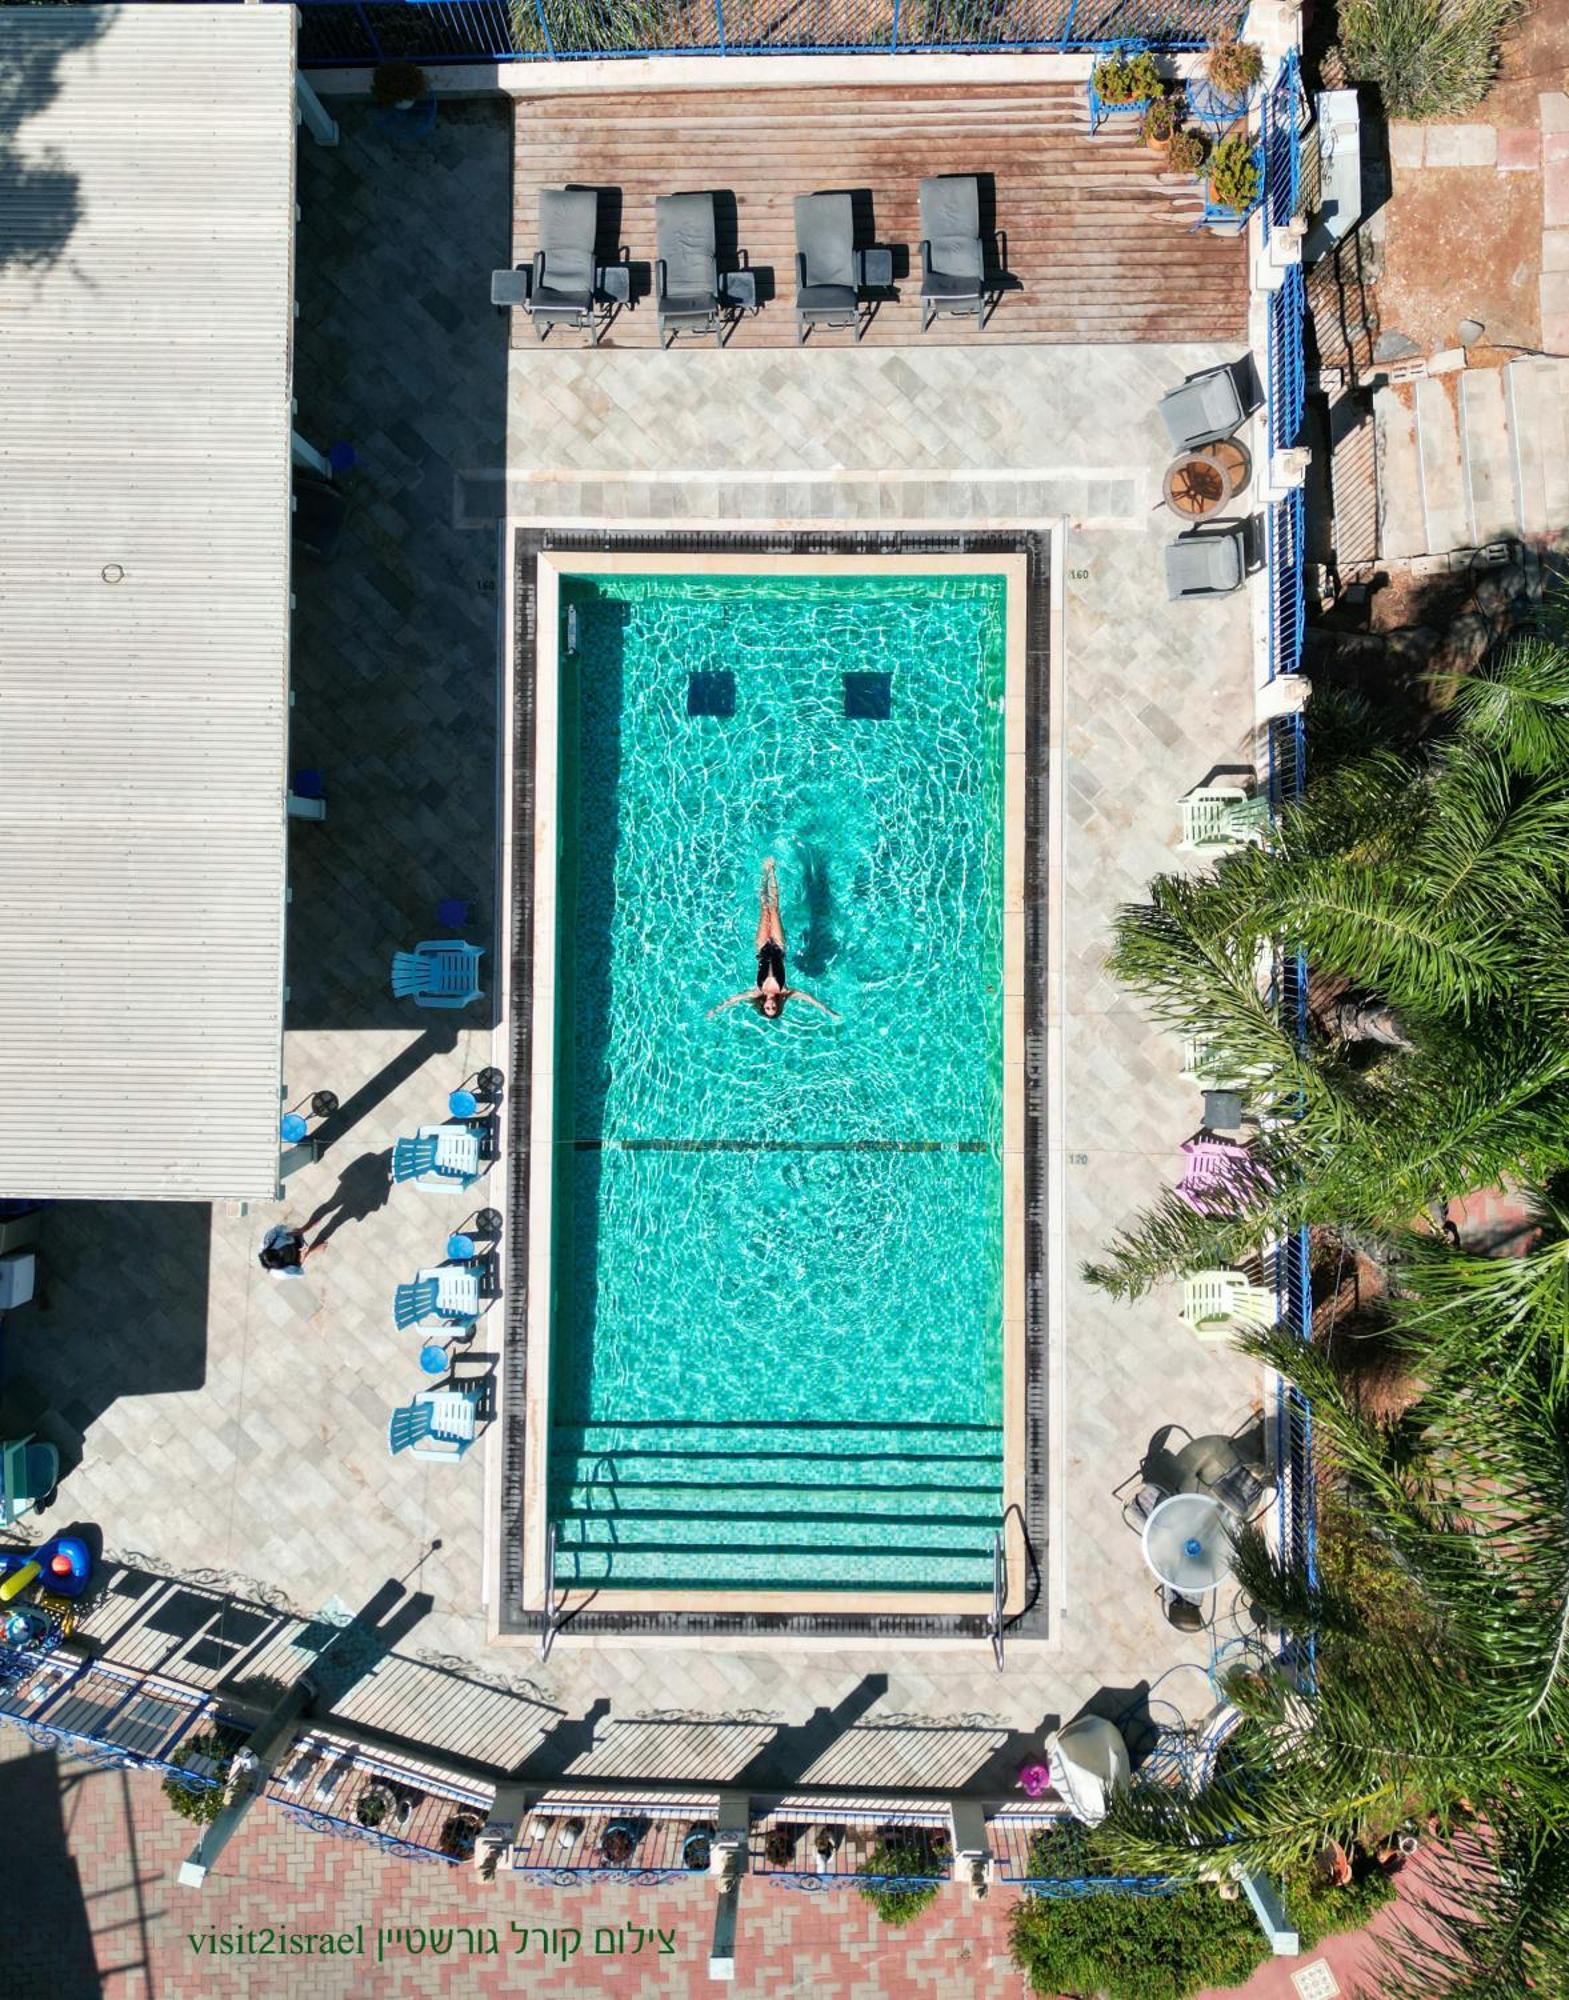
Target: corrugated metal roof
x=146, y=321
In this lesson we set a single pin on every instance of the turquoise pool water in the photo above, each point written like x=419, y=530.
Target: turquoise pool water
x=777, y=1344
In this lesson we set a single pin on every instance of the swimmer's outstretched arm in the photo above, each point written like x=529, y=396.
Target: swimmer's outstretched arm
x=795, y=993
x=752, y=993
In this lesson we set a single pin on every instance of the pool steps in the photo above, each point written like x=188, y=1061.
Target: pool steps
x=911, y=1506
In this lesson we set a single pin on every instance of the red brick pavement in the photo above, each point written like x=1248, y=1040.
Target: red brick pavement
x=112, y=1859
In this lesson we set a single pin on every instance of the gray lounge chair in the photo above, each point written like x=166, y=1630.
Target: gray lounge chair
x=827, y=269
x=953, y=257
x=1205, y=408
x=686, y=275
x=562, y=288
x=1205, y=563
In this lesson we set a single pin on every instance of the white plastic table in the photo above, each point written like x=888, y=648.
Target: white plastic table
x=1187, y=1544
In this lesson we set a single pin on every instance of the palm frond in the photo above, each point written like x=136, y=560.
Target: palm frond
x=1371, y=924
x=1518, y=704
x=1492, y=1919
x=1492, y=841
x=1292, y=1601
x=1498, y=1313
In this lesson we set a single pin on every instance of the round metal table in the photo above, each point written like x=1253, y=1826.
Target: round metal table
x=1186, y=1543
x=1203, y=1460
x=1199, y=483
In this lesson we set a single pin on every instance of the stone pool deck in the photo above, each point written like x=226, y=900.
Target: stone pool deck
x=229, y=1423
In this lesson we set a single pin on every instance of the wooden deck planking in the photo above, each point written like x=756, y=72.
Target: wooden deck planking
x=1100, y=241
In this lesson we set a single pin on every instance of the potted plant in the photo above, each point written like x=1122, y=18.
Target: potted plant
x=698, y=1847
x=1159, y=127
x=1233, y=67
x=459, y=1832
x=779, y=1846
x=209, y=1755
x=1187, y=152
x=569, y=1833
x=373, y=1805
x=904, y=1861
x=1233, y=174
x=826, y=1846
x=618, y=1843
x=398, y=85
x=1127, y=77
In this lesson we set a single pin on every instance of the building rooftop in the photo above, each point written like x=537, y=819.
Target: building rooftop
x=146, y=293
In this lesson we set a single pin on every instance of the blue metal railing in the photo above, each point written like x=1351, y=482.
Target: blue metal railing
x=1295, y=1521
x=1285, y=535
x=1286, y=360
x=136, y=1722
x=433, y=32
x=1281, y=114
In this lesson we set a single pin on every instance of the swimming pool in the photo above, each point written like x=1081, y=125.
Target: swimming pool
x=775, y=1288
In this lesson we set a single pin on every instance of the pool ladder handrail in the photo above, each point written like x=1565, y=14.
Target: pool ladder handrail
x=994, y=1621
x=552, y=1618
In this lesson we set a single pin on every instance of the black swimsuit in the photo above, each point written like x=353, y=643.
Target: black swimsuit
x=770, y=963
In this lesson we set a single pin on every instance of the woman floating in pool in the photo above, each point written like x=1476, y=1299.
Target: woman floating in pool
x=770, y=993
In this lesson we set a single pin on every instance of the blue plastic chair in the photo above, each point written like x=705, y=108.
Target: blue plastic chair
x=442, y=1159
x=412, y=1304
x=28, y=1473
x=442, y=972
x=413, y=1159
x=437, y=1423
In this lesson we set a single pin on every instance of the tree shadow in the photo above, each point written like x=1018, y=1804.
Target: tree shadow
x=43, y=201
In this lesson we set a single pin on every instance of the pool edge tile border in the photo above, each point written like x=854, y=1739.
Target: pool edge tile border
x=800, y=1616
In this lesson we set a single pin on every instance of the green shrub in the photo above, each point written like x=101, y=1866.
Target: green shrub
x=956, y=20
x=1135, y=1947
x=1232, y=66
x=1233, y=173
x=1188, y=152
x=1127, y=79
x=903, y=1853
x=201, y=1803
x=1160, y=121
x=1320, y=1910
x=588, y=25
x=1429, y=58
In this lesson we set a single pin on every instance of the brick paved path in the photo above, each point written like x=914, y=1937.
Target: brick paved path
x=91, y=1856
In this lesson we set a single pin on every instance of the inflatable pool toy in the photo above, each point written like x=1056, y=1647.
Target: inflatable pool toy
x=67, y=1566
x=18, y=1578
x=25, y=1627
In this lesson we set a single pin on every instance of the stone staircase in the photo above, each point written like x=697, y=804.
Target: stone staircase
x=1475, y=456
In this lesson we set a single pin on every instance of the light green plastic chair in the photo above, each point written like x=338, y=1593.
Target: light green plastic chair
x=1216, y=1304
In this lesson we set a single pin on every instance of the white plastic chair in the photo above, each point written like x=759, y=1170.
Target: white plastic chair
x=1216, y=1304
x=1220, y=816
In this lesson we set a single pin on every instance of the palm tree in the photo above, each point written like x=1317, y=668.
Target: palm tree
x=1439, y=1690
x=1428, y=1678
x=1429, y=885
